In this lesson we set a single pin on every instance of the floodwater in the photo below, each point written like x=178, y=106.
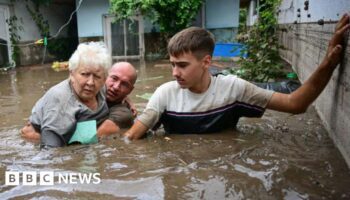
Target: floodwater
x=279, y=156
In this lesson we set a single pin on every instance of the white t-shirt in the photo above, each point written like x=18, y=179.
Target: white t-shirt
x=227, y=99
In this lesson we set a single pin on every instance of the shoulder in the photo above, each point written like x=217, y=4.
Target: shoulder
x=61, y=89
x=119, y=106
x=230, y=82
x=167, y=89
x=225, y=78
x=121, y=115
x=58, y=93
x=171, y=85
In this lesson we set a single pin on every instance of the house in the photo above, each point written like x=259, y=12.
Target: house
x=25, y=29
x=94, y=23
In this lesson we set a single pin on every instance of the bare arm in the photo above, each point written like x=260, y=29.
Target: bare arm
x=107, y=128
x=28, y=132
x=136, y=131
x=299, y=100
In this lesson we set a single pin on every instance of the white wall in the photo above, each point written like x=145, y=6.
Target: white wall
x=305, y=45
x=90, y=17
x=222, y=13
x=4, y=15
x=318, y=9
x=57, y=15
x=252, y=13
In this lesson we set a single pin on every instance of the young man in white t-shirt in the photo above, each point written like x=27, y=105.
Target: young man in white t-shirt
x=200, y=103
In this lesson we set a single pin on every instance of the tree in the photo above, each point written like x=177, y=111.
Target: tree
x=171, y=15
x=263, y=62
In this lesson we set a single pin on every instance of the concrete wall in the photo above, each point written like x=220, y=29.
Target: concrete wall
x=89, y=17
x=5, y=50
x=306, y=45
x=222, y=18
x=318, y=9
x=56, y=14
x=221, y=13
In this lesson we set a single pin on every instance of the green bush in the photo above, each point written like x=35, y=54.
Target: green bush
x=171, y=15
x=263, y=62
x=62, y=48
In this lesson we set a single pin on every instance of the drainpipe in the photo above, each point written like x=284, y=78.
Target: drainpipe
x=203, y=15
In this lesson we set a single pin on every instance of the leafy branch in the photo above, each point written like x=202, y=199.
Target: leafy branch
x=14, y=37
x=38, y=18
x=263, y=61
x=171, y=15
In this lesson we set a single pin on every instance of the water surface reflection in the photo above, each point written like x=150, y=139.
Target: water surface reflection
x=277, y=157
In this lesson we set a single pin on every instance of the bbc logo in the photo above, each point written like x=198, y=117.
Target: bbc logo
x=29, y=178
x=47, y=178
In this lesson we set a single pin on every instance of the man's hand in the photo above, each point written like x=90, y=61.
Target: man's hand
x=107, y=128
x=299, y=100
x=136, y=131
x=337, y=44
x=131, y=106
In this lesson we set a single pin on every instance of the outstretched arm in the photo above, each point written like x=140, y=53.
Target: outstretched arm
x=136, y=131
x=299, y=100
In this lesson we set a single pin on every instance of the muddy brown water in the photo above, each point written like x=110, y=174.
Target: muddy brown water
x=279, y=156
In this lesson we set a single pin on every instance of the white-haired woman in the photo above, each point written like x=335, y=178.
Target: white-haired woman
x=76, y=99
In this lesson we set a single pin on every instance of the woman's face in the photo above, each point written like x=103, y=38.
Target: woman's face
x=87, y=81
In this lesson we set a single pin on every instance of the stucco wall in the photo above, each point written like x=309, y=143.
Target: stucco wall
x=318, y=9
x=56, y=14
x=89, y=17
x=306, y=45
x=221, y=18
x=221, y=14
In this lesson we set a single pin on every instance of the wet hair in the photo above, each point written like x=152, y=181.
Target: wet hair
x=195, y=40
x=91, y=54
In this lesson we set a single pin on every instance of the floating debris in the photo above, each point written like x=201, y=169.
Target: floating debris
x=60, y=66
x=145, y=96
x=150, y=78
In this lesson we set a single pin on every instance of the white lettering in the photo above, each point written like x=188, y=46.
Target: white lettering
x=63, y=178
x=97, y=179
x=73, y=178
x=85, y=178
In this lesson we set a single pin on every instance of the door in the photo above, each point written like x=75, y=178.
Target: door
x=5, y=44
x=124, y=38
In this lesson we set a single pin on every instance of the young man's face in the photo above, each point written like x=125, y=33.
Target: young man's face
x=189, y=71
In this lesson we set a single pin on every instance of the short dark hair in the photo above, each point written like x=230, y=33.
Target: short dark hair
x=195, y=40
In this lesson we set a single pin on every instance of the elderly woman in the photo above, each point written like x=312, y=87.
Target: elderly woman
x=75, y=99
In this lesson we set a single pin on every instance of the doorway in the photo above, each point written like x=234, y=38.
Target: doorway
x=5, y=44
